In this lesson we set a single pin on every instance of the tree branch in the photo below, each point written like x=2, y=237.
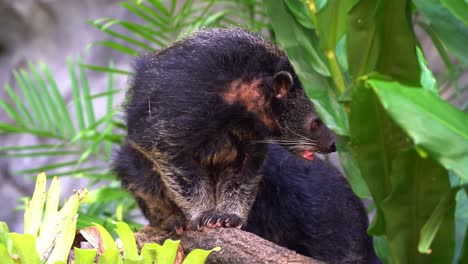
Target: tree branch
x=237, y=246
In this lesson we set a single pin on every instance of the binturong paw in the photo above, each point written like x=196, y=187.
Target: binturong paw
x=213, y=219
x=175, y=224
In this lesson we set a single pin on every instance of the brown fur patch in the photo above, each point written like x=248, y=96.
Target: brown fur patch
x=252, y=97
x=224, y=155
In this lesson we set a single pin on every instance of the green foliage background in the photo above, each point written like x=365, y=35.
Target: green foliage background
x=400, y=144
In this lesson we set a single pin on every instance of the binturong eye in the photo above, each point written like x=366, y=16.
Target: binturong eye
x=314, y=124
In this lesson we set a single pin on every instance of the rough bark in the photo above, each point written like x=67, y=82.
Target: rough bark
x=237, y=246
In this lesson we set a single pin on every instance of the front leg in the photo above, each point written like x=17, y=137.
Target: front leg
x=189, y=189
x=185, y=187
x=236, y=190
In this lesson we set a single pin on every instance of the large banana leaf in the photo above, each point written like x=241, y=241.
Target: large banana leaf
x=434, y=125
x=380, y=38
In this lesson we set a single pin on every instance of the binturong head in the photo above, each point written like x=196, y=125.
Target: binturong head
x=301, y=131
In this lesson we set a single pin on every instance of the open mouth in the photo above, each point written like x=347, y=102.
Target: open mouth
x=308, y=154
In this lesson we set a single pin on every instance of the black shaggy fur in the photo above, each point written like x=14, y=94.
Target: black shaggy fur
x=308, y=206
x=199, y=114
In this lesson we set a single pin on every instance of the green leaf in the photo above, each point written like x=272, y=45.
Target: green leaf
x=161, y=8
x=43, y=153
x=428, y=81
x=110, y=256
x=375, y=142
x=19, y=106
x=199, y=256
x=146, y=13
x=144, y=32
x=443, y=54
x=4, y=256
x=47, y=103
x=29, y=100
x=300, y=45
x=463, y=259
x=107, y=93
x=79, y=172
x=453, y=32
x=25, y=246
x=5, y=237
x=47, y=167
x=128, y=240
x=408, y=208
x=133, y=261
x=148, y=253
x=76, y=94
x=84, y=256
x=42, y=113
x=9, y=128
x=292, y=36
x=107, y=240
x=27, y=147
x=353, y=174
x=166, y=254
x=34, y=207
x=331, y=21
x=65, y=120
x=53, y=196
x=300, y=12
x=125, y=38
x=105, y=69
x=382, y=249
x=107, y=195
x=87, y=100
x=12, y=113
x=458, y=8
x=110, y=100
x=50, y=224
x=445, y=207
x=116, y=46
x=434, y=125
x=380, y=38
x=66, y=233
x=461, y=226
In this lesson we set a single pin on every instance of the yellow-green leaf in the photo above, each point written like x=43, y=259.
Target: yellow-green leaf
x=128, y=240
x=34, y=207
x=85, y=256
x=199, y=256
x=25, y=245
x=4, y=256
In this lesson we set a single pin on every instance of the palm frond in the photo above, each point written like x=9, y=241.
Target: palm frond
x=38, y=109
x=161, y=23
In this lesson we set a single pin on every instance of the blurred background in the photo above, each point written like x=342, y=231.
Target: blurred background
x=50, y=31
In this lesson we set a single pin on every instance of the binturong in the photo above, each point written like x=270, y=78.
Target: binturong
x=199, y=114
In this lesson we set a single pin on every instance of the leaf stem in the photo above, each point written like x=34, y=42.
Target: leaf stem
x=335, y=70
x=312, y=6
x=330, y=53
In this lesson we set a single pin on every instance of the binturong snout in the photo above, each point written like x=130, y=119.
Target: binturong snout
x=324, y=138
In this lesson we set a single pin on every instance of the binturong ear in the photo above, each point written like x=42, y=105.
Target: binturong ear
x=282, y=83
